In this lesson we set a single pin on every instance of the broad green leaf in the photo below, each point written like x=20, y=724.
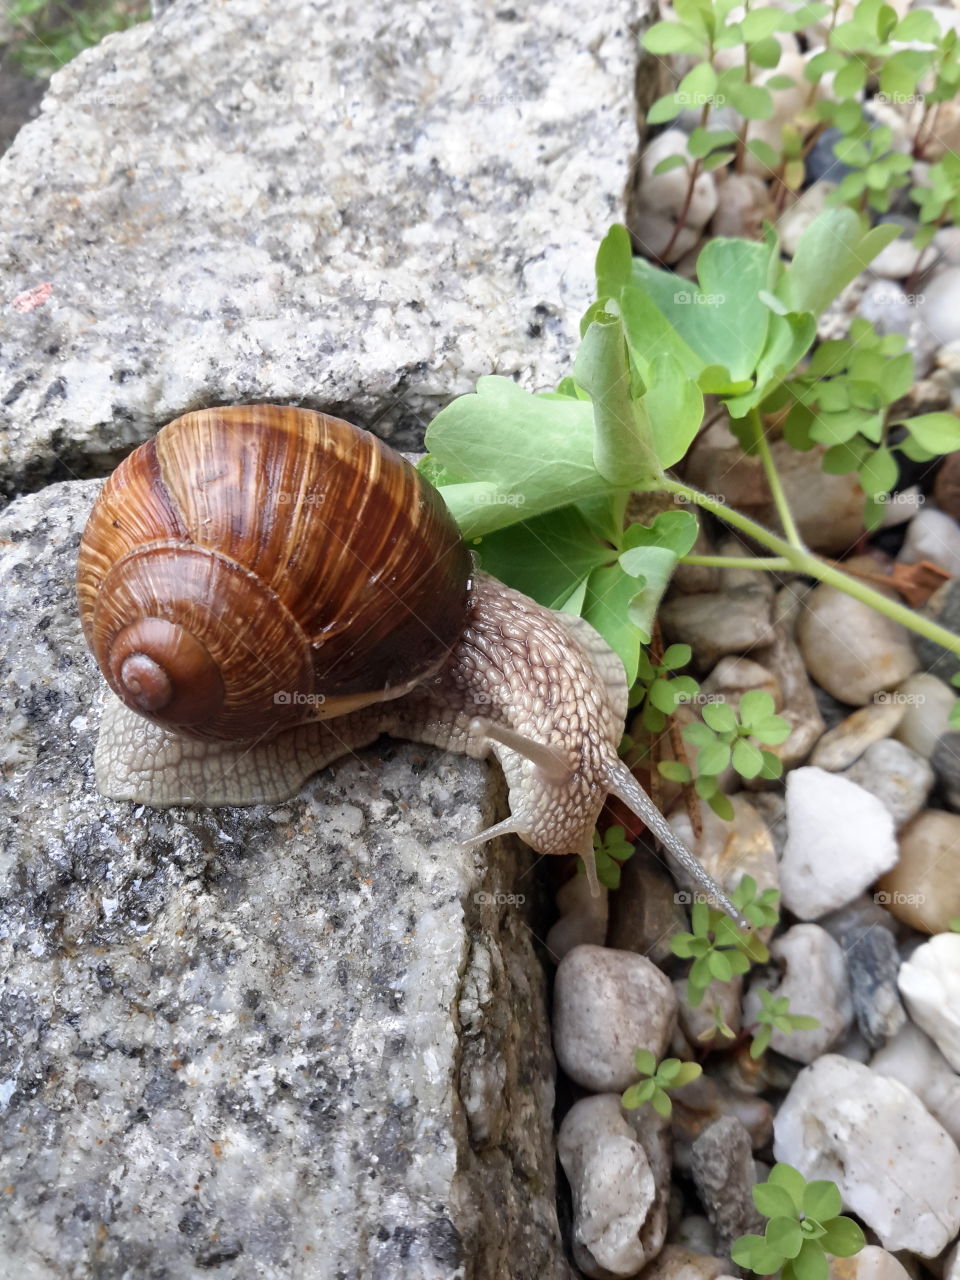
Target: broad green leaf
x=666, y=108
x=784, y=1235
x=810, y=1263
x=713, y=759
x=747, y=759
x=672, y=37
x=821, y=1200
x=674, y=771
x=703, y=141
x=698, y=734
x=546, y=557
x=668, y=1070
x=673, y=406
x=698, y=84
x=721, y=806
x=752, y=101
x=676, y=656
x=792, y=1181
x=614, y=261
x=833, y=250
x=689, y=1071
x=763, y=152
x=650, y=333
x=606, y=604
x=755, y=705
x=919, y=25
x=842, y=1237
x=759, y=23
x=638, y=1094
x=773, y=1201
x=650, y=557
x=662, y=1104
x=623, y=452
x=878, y=473
x=670, y=163
x=937, y=432
x=720, y=717
x=646, y=1063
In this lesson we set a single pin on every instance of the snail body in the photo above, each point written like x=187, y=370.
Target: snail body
x=266, y=589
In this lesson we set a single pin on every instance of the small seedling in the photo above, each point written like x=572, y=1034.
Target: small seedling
x=804, y=1227
x=610, y=852
x=726, y=737
x=659, y=693
x=718, y=948
x=670, y=1074
x=775, y=1015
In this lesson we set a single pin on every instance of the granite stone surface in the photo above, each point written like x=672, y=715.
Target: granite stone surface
x=305, y=1040
x=356, y=208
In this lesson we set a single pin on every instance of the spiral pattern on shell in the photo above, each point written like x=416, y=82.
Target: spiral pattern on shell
x=253, y=567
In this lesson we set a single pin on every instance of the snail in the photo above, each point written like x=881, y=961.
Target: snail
x=266, y=589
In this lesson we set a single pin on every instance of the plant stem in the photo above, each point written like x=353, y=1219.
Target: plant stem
x=806, y=562
x=770, y=563
x=773, y=480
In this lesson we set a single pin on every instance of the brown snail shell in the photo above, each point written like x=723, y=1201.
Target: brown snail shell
x=253, y=567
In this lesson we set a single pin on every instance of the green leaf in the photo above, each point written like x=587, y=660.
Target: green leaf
x=920, y=25
x=698, y=734
x=842, y=1237
x=623, y=450
x=713, y=759
x=703, y=141
x=606, y=603
x=614, y=261
x=721, y=806
x=810, y=1263
x=546, y=557
x=646, y=1063
x=763, y=152
x=849, y=80
x=832, y=251
x=672, y=37
x=651, y=555
x=821, y=1200
x=720, y=717
x=937, y=432
x=747, y=759
x=671, y=162
x=674, y=408
x=792, y=1181
x=753, y=1252
x=674, y=771
x=666, y=108
x=638, y=1094
x=760, y=23
x=761, y=1042
x=676, y=656
x=756, y=705
x=689, y=1071
x=878, y=473
x=662, y=1104
x=784, y=1235
x=752, y=101
x=719, y=965
x=773, y=1201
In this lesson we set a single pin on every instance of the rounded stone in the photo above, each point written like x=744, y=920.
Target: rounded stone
x=851, y=650
x=923, y=889
x=608, y=1004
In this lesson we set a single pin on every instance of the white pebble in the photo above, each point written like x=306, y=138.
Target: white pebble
x=933, y=535
x=930, y=985
x=815, y=983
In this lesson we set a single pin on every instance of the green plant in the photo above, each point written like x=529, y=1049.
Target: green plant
x=540, y=483
x=658, y=691
x=610, y=852
x=955, y=924
x=727, y=737
x=774, y=1015
x=51, y=33
x=843, y=400
x=717, y=946
x=670, y=1074
x=804, y=1226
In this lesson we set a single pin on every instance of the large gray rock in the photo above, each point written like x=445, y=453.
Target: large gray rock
x=357, y=209
x=295, y=1040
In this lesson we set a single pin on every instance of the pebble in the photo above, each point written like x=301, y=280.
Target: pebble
x=923, y=889
x=583, y=918
x=927, y=702
x=815, y=983
x=951, y=1264
x=705, y=1100
x=732, y=677
x=608, y=1004
x=795, y=220
x=850, y=649
x=675, y=1262
x=887, y=308
x=696, y=1233
x=946, y=765
x=839, y=840
x=930, y=986
x=944, y=607
x=644, y=912
x=872, y=968
x=742, y=204
x=896, y=775
x=897, y=1168
x=717, y=623
x=619, y=1213
x=946, y=486
x=667, y=192
x=871, y=1263
x=699, y=1024
x=721, y=1164
x=914, y=1060
x=731, y=850
x=843, y=745
x=898, y=259
x=822, y=164
x=800, y=708
x=935, y=536
x=828, y=509
x=653, y=232
x=940, y=305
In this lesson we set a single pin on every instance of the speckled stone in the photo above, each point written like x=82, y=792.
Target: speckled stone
x=304, y=1039
x=355, y=208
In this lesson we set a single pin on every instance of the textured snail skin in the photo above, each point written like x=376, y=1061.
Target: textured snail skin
x=484, y=669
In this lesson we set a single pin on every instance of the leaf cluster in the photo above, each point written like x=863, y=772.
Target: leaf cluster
x=804, y=1226
x=610, y=851
x=842, y=400
x=57, y=32
x=720, y=949
x=774, y=1015
x=728, y=737
x=670, y=1074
